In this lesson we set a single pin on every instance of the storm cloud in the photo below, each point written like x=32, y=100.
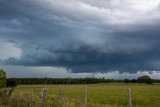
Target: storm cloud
x=82, y=35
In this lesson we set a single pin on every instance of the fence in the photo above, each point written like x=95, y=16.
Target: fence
x=85, y=94
x=114, y=95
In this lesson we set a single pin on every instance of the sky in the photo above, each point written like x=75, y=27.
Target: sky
x=80, y=38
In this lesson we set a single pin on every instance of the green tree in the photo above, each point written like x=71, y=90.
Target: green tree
x=2, y=78
x=10, y=83
x=126, y=80
x=145, y=79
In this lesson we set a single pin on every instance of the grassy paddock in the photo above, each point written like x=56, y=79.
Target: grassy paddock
x=99, y=95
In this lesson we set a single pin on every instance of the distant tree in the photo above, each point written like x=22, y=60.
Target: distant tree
x=2, y=78
x=145, y=79
x=126, y=80
x=11, y=83
x=134, y=81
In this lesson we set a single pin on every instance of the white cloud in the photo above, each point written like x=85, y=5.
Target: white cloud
x=61, y=72
x=114, y=12
x=8, y=50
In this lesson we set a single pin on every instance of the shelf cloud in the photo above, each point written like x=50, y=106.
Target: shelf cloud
x=81, y=35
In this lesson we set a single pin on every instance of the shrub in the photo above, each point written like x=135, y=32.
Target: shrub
x=145, y=79
x=11, y=83
x=2, y=78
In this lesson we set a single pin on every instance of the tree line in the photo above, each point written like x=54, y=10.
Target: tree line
x=62, y=80
x=143, y=79
x=11, y=82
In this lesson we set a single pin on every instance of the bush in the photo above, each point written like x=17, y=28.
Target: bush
x=145, y=79
x=126, y=80
x=2, y=78
x=11, y=83
x=134, y=81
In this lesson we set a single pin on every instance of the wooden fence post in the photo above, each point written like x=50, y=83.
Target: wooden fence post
x=85, y=95
x=10, y=91
x=43, y=97
x=129, y=98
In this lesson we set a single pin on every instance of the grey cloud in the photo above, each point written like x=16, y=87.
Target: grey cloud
x=88, y=38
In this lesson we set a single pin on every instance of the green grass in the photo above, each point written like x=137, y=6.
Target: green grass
x=99, y=95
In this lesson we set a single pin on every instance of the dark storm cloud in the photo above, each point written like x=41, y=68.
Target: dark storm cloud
x=82, y=36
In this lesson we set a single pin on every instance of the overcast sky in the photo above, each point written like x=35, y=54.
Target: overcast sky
x=80, y=38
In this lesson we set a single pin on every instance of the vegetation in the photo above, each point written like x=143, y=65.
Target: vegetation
x=62, y=80
x=67, y=94
x=145, y=79
x=142, y=79
x=127, y=80
x=11, y=83
x=98, y=95
x=2, y=78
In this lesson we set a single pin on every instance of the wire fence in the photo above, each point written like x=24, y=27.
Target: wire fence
x=84, y=94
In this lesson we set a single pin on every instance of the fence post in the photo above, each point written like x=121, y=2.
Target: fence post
x=129, y=98
x=85, y=95
x=10, y=91
x=43, y=97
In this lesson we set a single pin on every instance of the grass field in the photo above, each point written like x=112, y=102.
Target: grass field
x=99, y=95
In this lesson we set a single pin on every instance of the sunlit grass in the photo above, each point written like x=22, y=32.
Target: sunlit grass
x=99, y=95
